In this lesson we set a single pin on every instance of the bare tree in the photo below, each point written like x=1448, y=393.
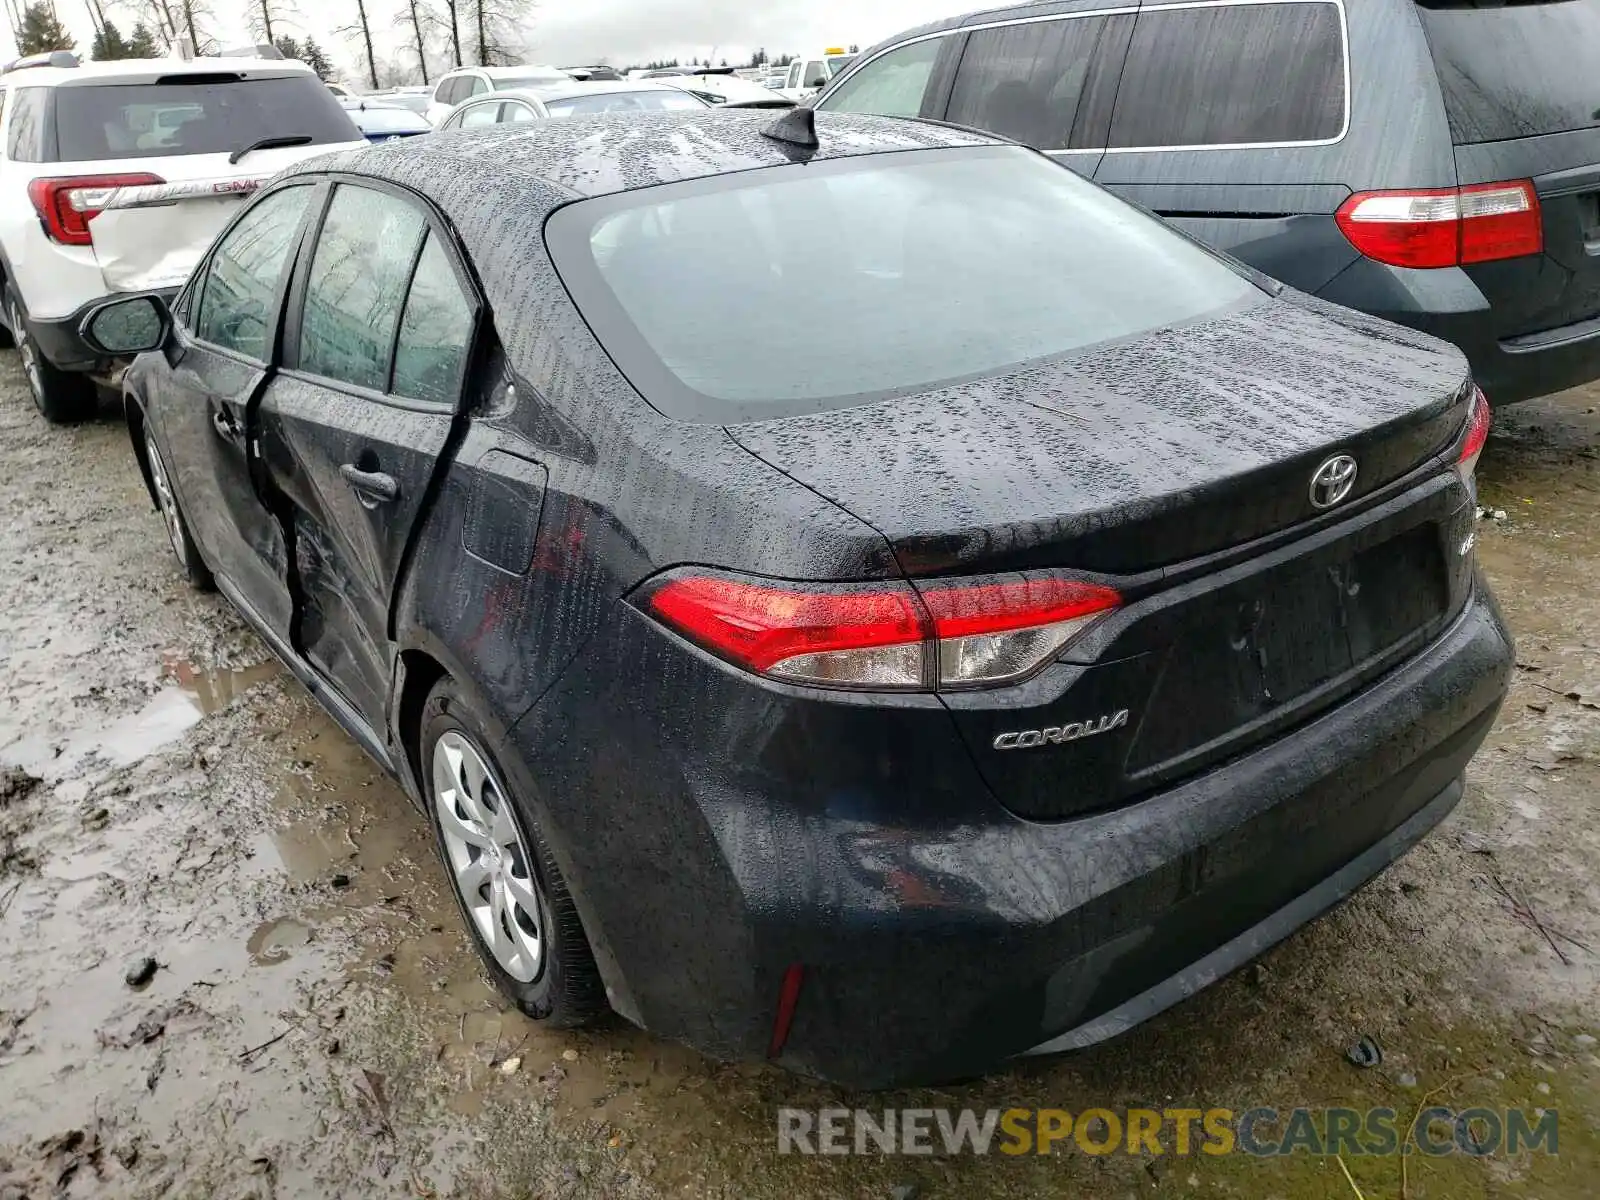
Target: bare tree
x=495, y=28
x=363, y=28
x=417, y=16
x=452, y=19
x=189, y=15
x=266, y=16
x=164, y=19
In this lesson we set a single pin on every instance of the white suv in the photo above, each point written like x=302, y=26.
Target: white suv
x=115, y=176
x=466, y=82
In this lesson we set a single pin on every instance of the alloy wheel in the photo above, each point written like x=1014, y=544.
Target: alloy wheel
x=488, y=857
x=166, y=500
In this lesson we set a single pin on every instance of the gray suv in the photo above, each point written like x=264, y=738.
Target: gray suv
x=1434, y=163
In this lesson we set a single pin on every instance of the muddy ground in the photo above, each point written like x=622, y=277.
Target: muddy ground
x=317, y=1025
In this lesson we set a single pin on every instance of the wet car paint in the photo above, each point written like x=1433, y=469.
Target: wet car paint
x=696, y=900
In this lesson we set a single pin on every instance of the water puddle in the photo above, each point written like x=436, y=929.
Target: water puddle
x=212, y=689
x=276, y=941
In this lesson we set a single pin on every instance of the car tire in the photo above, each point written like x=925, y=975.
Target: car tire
x=511, y=894
x=183, y=547
x=63, y=397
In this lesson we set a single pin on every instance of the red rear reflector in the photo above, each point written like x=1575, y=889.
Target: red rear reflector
x=1445, y=227
x=1476, y=433
x=788, y=998
x=66, y=206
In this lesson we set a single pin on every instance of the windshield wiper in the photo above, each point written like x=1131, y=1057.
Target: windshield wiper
x=270, y=143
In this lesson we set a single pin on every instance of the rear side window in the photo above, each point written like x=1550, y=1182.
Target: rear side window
x=1237, y=74
x=25, y=138
x=890, y=86
x=1517, y=71
x=939, y=266
x=478, y=116
x=357, y=286
x=434, y=333
x=198, y=114
x=1039, y=83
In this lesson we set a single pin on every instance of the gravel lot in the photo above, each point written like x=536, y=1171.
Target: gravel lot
x=317, y=1025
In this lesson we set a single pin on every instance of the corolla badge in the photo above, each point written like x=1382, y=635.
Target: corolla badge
x=1333, y=481
x=1055, y=735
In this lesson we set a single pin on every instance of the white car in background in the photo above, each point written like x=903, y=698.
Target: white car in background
x=570, y=99
x=464, y=83
x=808, y=76
x=724, y=89
x=115, y=176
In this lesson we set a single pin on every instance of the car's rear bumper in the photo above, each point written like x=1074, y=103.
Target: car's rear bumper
x=937, y=933
x=1448, y=305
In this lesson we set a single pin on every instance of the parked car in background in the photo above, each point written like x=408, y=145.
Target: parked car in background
x=115, y=176
x=599, y=74
x=723, y=89
x=465, y=82
x=416, y=99
x=570, y=99
x=1089, y=614
x=381, y=121
x=1434, y=163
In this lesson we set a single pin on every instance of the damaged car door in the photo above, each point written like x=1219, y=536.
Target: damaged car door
x=378, y=330
x=225, y=335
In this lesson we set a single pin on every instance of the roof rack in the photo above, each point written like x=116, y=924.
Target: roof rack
x=51, y=58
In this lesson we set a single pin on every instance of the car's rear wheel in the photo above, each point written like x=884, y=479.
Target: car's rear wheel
x=63, y=397
x=188, y=555
x=510, y=892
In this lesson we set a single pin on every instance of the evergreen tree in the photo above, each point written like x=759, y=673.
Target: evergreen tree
x=313, y=57
x=41, y=31
x=142, y=43
x=109, y=44
x=289, y=47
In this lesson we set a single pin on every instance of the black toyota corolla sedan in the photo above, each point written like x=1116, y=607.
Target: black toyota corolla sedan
x=864, y=598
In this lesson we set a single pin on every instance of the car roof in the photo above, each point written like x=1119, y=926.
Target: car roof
x=555, y=73
x=147, y=70
x=611, y=152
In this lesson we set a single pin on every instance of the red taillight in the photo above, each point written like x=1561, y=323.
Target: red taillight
x=1475, y=435
x=66, y=206
x=882, y=636
x=1445, y=227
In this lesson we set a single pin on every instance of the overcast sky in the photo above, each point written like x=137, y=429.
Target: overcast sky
x=572, y=32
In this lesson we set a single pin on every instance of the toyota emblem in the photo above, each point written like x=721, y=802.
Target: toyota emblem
x=1333, y=481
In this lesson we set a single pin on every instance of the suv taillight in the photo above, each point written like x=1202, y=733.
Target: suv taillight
x=65, y=206
x=882, y=636
x=1445, y=227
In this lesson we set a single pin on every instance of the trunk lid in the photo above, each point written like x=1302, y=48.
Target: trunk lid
x=1523, y=98
x=1136, y=456
x=1176, y=467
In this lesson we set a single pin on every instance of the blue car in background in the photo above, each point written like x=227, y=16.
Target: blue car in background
x=381, y=122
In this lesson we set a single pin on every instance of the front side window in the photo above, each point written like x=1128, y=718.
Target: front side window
x=1039, y=82
x=435, y=331
x=941, y=266
x=476, y=86
x=357, y=286
x=516, y=114
x=890, y=86
x=238, y=306
x=1238, y=74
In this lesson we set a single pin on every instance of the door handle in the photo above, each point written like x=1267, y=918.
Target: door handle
x=373, y=487
x=223, y=424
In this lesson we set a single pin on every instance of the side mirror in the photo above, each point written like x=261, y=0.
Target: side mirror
x=132, y=325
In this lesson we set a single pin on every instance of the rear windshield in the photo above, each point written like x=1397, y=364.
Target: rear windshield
x=206, y=114
x=1516, y=71
x=376, y=119
x=795, y=289
x=584, y=106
